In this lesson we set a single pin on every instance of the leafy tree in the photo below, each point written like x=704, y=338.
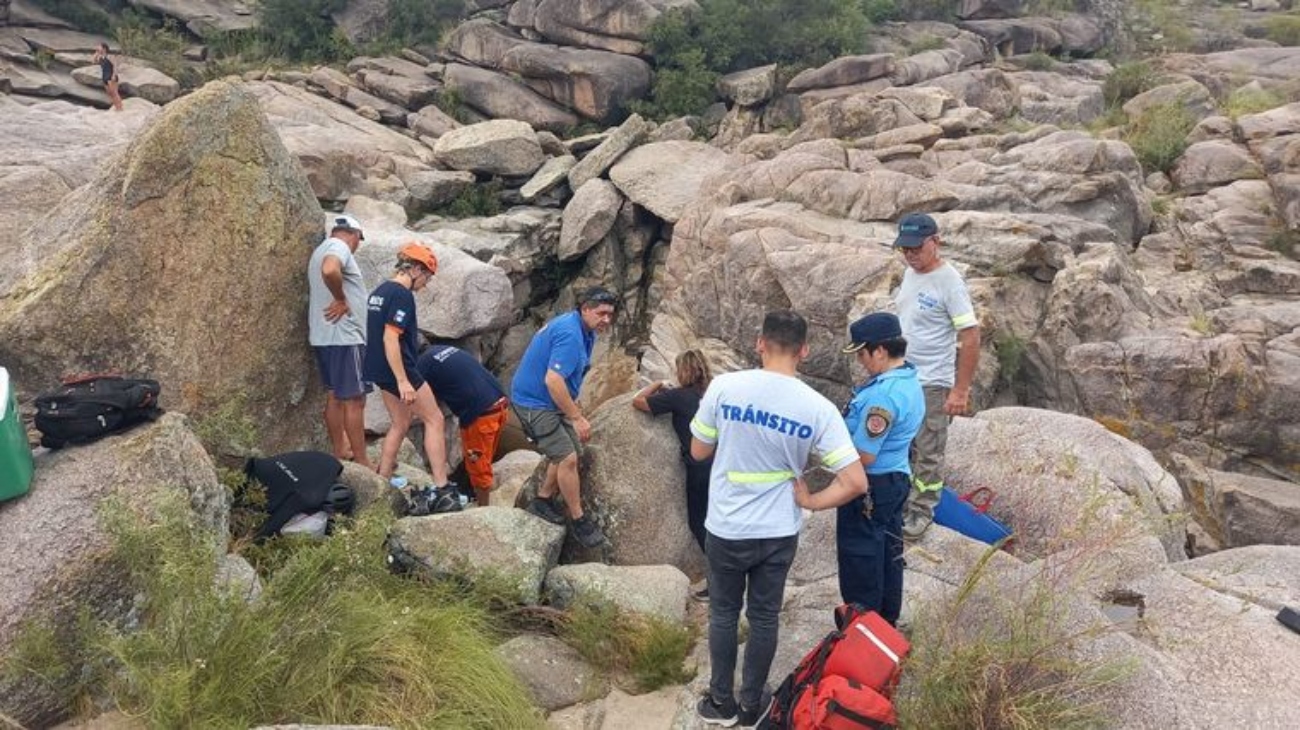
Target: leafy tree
x=302, y=29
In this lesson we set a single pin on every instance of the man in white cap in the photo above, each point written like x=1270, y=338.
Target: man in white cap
x=337, y=330
x=943, y=339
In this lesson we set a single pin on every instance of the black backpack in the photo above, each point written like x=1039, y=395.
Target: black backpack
x=298, y=482
x=89, y=408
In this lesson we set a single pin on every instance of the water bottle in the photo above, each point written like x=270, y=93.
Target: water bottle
x=397, y=482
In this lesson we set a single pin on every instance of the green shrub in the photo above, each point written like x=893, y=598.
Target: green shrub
x=92, y=17
x=692, y=48
x=1001, y=657
x=650, y=649
x=163, y=46
x=1038, y=61
x=301, y=30
x=422, y=21
x=479, y=200
x=1159, y=136
x=1283, y=30
x=926, y=42
x=1127, y=81
x=334, y=639
x=1251, y=100
x=880, y=11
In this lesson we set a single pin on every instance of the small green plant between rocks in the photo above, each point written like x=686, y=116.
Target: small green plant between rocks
x=649, y=649
x=1159, y=136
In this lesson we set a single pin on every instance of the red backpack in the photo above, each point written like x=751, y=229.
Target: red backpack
x=846, y=681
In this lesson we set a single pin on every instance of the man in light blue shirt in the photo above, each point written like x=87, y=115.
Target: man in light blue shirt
x=760, y=427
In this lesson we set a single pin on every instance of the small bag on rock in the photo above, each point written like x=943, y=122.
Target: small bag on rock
x=89, y=408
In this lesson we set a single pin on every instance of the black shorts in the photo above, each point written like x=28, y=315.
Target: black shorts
x=390, y=386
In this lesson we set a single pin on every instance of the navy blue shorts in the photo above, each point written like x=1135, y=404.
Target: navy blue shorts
x=340, y=370
x=390, y=386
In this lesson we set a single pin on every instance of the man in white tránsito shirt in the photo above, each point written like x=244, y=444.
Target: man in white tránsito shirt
x=943, y=342
x=760, y=427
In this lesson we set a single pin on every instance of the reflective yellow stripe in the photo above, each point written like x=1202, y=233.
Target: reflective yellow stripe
x=759, y=477
x=963, y=321
x=704, y=428
x=837, y=455
x=922, y=486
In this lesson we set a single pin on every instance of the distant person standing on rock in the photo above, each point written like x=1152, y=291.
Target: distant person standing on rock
x=681, y=403
x=337, y=332
x=108, y=74
x=943, y=339
x=392, y=341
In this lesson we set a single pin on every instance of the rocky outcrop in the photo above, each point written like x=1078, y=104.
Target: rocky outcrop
x=649, y=590
x=343, y=154
x=595, y=84
x=611, y=25
x=206, y=18
x=142, y=81
x=494, y=543
x=665, y=177
x=554, y=673
x=56, y=556
x=501, y=97
x=51, y=148
x=207, y=193
x=498, y=147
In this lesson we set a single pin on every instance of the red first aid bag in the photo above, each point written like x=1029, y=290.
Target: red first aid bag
x=839, y=703
x=869, y=651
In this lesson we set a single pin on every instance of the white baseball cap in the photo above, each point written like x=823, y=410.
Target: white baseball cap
x=347, y=222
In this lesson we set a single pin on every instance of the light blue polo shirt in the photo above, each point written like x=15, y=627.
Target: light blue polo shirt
x=884, y=416
x=562, y=345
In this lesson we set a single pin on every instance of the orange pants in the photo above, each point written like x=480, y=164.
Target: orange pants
x=479, y=441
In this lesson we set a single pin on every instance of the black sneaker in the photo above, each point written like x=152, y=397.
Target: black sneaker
x=444, y=499
x=749, y=716
x=545, y=509
x=588, y=532
x=713, y=713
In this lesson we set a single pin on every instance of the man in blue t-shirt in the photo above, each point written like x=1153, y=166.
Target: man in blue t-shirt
x=474, y=395
x=545, y=392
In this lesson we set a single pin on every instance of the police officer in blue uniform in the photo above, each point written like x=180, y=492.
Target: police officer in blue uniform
x=883, y=416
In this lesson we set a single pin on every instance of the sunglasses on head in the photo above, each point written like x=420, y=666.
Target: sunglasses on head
x=603, y=297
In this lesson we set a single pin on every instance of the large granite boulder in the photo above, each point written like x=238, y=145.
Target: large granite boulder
x=206, y=18
x=633, y=484
x=649, y=590
x=109, y=280
x=499, y=147
x=466, y=297
x=135, y=80
x=613, y=25
x=666, y=177
x=500, y=96
x=504, y=545
x=596, y=84
x=50, y=148
x=1095, y=485
x=629, y=134
x=56, y=561
x=587, y=218
x=342, y=153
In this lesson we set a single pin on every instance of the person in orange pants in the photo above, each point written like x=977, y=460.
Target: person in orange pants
x=479, y=403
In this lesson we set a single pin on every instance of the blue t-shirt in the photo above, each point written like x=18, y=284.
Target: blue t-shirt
x=562, y=345
x=390, y=305
x=884, y=416
x=459, y=381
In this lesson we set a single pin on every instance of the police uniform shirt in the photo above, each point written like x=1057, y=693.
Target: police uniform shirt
x=884, y=416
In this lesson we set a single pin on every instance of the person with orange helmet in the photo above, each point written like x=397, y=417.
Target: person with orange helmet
x=392, y=343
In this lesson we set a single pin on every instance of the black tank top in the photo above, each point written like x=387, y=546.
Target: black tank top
x=106, y=69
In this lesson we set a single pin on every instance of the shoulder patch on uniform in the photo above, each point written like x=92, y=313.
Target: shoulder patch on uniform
x=878, y=420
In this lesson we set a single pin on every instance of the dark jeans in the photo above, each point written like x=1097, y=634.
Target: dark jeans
x=697, y=496
x=870, y=550
x=758, y=566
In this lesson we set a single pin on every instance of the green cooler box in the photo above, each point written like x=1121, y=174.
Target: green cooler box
x=15, y=454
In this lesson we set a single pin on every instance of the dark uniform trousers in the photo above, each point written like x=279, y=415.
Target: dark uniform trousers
x=871, y=547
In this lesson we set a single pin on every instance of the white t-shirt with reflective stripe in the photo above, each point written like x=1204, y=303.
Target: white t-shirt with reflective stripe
x=931, y=308
x=766, y=427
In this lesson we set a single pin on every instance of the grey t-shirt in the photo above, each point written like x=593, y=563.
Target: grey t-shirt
x=766, y=426
x=351, y=329
x=931, y=308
